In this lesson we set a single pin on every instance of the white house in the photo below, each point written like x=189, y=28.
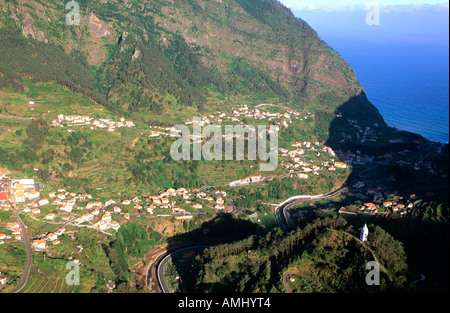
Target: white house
x=66, y=207
x=27, y=183
x=101, y=225
x=50, y=216
x=109, y=202
x=60, y=231
x=39, y=244
x=219, y=207
x=114, y=225
x=106, y=218
x=43, y=202
x=52, y=236
x=32, y=195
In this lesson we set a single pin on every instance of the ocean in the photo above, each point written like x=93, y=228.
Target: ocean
x=408, y=83
x=403, y=67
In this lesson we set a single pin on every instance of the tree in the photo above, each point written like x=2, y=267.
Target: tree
x=118, y=258
x=391, y=253
x=37, y=131
x=44, y=174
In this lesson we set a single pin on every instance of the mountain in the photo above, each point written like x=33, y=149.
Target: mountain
x=137, y=55
x=153, y=64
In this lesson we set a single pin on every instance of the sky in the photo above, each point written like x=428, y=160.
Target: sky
x=401, y=60
x=418, y=21
x=339, y=5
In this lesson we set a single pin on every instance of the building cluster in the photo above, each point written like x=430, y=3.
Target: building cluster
x=3, y=191
x=164, y=131
x=15, y=234
x=164, y=200
x=419, y=165
x=354, y=158
x=367, y=134
x=283, y=119
x=25, y=190
x=297, y=162
x=74, y=209
x=243, y=111
x=387, y=203
x=387, y=207
x=78, y=120
x=247, y=181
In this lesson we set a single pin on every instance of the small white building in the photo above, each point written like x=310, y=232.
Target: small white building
x=43, y=202
x=364, y=233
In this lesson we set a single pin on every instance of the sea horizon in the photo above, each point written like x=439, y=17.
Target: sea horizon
x=402, y=63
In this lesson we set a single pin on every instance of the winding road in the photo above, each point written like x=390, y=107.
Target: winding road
x=162, y=265
x=281, y=211
x=285, y=223
x=26, y=272
x=282, y=219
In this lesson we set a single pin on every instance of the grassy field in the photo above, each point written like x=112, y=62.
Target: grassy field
x=49, y=99
x=49, y=276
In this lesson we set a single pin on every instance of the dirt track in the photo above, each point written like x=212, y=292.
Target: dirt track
x=145, y=270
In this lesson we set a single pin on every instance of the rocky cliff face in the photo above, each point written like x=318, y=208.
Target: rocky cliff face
x=140, y=51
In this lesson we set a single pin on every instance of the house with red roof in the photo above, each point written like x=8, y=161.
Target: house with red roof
x=3, y=198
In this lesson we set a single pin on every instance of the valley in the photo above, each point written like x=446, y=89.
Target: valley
x=88, y=116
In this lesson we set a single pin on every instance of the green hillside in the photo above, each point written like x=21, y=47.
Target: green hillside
x=131, y=55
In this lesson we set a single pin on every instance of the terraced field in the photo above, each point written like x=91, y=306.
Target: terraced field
x=49, y=276
x=220, y=174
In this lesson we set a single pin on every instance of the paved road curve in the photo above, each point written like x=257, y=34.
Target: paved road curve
x=26, y=241
x=282, y=220
x=281, y=215
x=162, y=264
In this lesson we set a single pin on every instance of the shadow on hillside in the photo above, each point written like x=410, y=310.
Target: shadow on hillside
x=359, y=135
x=221, y=229
x=357, y=132
x=395, y=154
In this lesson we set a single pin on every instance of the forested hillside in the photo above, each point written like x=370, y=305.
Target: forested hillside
x=324, y=250
x=139, y=55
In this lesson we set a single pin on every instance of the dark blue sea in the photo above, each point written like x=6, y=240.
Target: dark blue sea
x=403, y=64
x=408, y=83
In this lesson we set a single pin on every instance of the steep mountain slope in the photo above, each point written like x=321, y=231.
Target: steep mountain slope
x=140, y=52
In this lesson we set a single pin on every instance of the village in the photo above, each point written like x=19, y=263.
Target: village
x=62, y=209
x=397, y=207
x=367, y=134
x=295, y=163
x=65, y=212
x=85, y=120
x=238, y=113
x=373, y=202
